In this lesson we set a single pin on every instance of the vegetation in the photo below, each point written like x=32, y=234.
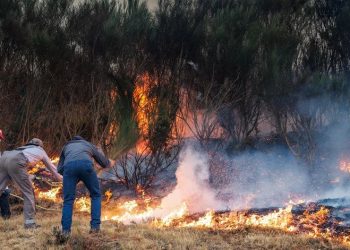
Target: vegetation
x=117, y=236
x=222, y=67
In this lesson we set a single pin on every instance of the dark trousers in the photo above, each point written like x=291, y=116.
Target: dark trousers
x=5, y=205
x=73, y=173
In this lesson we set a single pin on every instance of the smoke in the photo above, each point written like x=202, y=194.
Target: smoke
x=253, y=179
x=192, y=185
x=268, y=175
x=266, y=179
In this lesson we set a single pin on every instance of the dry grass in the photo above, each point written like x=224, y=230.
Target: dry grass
x=117, y=236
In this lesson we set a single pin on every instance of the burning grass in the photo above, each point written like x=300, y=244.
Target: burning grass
x=298, y=220
x=150, y=222
x=118, y=236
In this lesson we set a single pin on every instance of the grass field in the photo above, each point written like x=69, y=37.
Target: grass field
x=118, y=236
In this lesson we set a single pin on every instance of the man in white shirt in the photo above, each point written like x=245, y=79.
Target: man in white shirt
x=13, y=166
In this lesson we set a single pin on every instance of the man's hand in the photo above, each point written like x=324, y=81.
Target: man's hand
x=111, y=163
x=59, y=178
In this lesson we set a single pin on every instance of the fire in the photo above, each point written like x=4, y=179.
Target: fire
x=144, y=106
x=40, y=166
x=313, y=221
x=177, y=214
x=108, y=195
x=140, y=191
x=130, y=211
x=51, y=195
x=112, y=132
x=278, y=219
x=178, y=218
x=83, y=204
x=205, y=221
x=113, y=95
x=129, y=205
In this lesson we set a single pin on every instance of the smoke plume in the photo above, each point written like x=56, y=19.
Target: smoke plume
x=192, y=185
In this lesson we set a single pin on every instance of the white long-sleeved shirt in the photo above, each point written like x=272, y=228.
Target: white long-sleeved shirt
x=37, y=154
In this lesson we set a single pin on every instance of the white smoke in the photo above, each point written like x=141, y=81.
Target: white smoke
x=269, y=174
x=192, y=186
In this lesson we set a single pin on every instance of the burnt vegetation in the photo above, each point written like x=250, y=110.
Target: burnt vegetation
x=217, y=69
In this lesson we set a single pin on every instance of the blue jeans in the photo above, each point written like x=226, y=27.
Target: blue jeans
x=73, y=173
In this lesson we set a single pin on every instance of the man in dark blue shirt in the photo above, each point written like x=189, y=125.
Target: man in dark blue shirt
x=76, y=164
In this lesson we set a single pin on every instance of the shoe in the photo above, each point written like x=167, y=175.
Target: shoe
x=31, y=226
x=94, y=231
x=61, y=236
x=65, y=235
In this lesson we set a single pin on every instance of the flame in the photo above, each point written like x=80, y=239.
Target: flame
x=280, y=219
x=113, y=95
x=83, y=204
x=129, y=205
x=51, y=195
x=40, y=166
x=112, y=132
x=108, y=195
x=130, y=211
x=314, y=221
x=177, y=214
x=140, y=191
x=144, y=105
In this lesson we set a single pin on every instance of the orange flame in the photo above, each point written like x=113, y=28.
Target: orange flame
x=83, y=204
x=108, y=195
x=312, y=222
x=144, y=106
x=40, y=166
x=51, y=195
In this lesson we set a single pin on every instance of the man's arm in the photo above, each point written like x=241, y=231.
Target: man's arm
x=61, y=162
x=46, y=160
x=99, y=157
